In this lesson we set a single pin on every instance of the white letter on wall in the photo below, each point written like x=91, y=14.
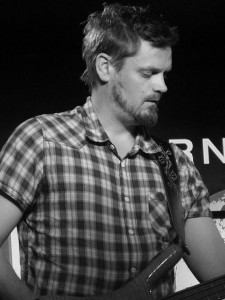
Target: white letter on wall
x=206, y=143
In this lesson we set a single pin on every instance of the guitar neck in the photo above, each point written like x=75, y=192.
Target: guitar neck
x=210, y=290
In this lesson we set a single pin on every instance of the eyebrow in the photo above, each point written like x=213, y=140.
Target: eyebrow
x=154, y=69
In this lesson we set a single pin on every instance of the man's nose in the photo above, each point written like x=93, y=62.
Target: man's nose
x=159, y=83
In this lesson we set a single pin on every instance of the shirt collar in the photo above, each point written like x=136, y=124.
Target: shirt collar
x=145, y=143
x=94, y=129
x=96, y=133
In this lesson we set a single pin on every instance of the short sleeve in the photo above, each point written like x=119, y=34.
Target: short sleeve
x=21, y=164
x=194, y=193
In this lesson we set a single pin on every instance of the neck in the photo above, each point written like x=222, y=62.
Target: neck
x=110, y=115
x=120, y=133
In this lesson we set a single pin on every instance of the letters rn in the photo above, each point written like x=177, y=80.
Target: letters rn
x=206, y=146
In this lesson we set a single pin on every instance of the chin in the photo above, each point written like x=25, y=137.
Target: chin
x=149, y=120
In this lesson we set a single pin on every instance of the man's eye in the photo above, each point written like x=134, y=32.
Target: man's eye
x=146, y=75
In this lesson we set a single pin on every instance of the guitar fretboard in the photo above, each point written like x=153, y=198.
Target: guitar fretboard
x=210, y=290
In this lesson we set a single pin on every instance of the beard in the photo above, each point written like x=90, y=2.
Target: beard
x=147, y=117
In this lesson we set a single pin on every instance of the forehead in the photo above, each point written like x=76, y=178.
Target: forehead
x=149, y=56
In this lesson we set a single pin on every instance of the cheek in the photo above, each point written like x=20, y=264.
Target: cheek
x=136, y=89
x=133, y=89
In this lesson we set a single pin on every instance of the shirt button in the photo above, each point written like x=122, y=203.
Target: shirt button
x=123, y=164
x=133, y=270
x=127, y=199
x=152, y=197
x=131, y=231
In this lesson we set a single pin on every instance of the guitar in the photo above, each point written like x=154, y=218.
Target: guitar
x=140, y=287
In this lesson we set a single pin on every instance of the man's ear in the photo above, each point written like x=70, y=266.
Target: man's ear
x=104, y=67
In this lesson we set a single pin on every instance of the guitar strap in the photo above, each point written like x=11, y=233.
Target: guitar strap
x=168, y=167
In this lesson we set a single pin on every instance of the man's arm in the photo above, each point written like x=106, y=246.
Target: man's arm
x=11, y=287
x=207, y=258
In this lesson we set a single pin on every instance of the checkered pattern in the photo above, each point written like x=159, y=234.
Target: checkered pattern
x=91, y=220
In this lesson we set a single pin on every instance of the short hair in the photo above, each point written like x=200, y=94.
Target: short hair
x=118, y=31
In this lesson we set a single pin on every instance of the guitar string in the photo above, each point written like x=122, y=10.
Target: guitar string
x=215, y=290
x=219, y=293
x=206, y=294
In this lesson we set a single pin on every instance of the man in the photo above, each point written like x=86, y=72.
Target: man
x=83, y=186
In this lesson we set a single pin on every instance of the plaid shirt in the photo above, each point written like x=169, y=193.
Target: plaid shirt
x=91, y=221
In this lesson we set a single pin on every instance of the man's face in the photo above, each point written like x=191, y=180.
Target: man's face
x=139, y=85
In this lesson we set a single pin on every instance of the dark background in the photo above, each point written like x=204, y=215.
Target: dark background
x=40, y=66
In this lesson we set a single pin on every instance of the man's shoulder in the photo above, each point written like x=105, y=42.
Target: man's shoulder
x=63, y=127
x=56, y=119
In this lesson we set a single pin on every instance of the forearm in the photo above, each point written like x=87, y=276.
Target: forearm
x=11, y=287
x=207, y=259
